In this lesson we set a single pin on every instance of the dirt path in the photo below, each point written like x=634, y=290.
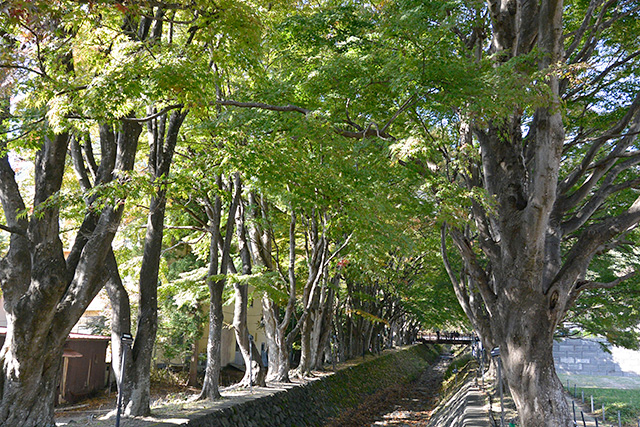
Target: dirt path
x=402, y=405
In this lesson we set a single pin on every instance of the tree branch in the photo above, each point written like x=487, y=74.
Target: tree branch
x=602, y=75
x=22, y=67
x=583, y=27
x=589, y=243
x=575, y=175
x=153, y=116
x=371, y=130
x=583, y=286
x=405, y=105
x=263, y=106
x=13, y=230
x=476, y=272
x=599, y=198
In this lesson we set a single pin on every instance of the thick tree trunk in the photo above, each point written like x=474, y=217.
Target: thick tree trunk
x=279, y=340
x=29, y=391
x=260, y=249
x=278, y=369
x=304, y=367
x=45, y=294
x=527, y=356
x=321, y=329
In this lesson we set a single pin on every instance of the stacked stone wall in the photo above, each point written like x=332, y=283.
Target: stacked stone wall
x=314, y=403
x=585, y=357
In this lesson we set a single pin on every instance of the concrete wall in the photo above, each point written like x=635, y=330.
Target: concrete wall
x=586, y=357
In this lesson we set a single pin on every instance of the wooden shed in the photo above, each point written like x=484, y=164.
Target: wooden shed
x=83, y=366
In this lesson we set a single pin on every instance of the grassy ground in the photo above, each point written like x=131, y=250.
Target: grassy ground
x=616, y=393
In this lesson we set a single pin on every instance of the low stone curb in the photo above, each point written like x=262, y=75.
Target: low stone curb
x=468, y=407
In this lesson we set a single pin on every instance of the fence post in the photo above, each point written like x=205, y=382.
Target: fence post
x=592, y=411
x=583, y=397
x=619, y=421
x=575, y=390
x=584, y=423
x=251, y=363
x=496, y=354
x=573, y=405
x=126, y=340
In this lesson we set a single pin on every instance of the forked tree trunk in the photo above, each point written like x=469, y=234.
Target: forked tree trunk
x=278, y=369
x=45, y=294
x=260, y=245
x=278, y=339
x=323, y=327
x=210, y=387
x=255, y=372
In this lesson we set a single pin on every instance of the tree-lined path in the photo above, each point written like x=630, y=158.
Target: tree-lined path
x=358, y=170
x=402, y=405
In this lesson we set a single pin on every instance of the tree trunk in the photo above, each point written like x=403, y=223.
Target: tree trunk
x=260, y=245
x=254, y=369
x=45, y=294
x=163, y=137
x=278, y=369
x=322, y=331
x=193, y=365
x=281, y=341
x=210, y=386
x=526, y=351
x=29, y=391
x=120, y=318
x=304, y=367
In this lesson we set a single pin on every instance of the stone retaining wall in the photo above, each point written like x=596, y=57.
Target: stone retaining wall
x=585, y=357
x=318, y=401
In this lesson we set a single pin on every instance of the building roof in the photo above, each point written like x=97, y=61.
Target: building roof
x=72, y=335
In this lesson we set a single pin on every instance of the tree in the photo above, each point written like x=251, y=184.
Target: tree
x=548, y=175
x=45, y=294
x=523, y=117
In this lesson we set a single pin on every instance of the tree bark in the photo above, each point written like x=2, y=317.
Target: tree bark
x=255, y=372
x=278, y=369
x=120, y=319
x=45, y=294
x=280, y=342
x=210, y=386
x=163, y=137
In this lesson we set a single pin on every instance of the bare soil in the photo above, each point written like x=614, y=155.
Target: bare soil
x=409, y=404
